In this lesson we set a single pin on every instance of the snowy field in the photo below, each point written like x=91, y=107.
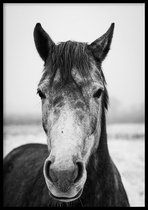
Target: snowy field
x=126, y=145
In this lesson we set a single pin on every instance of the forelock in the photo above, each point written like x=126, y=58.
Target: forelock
x=66, y=56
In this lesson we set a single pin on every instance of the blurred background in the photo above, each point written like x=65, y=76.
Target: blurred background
x=123, y=69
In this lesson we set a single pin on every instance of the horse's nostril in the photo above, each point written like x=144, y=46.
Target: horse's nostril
x=80, y=169
x=47, y=169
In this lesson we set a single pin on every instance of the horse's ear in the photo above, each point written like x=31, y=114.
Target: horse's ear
x=101, y=46
x=42, y=40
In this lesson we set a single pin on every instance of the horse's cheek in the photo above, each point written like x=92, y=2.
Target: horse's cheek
x=88, y=147
x=45, y=116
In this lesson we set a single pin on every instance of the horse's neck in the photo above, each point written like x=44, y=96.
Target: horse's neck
x=99, y=168
x=100, y=159
x=102, y=153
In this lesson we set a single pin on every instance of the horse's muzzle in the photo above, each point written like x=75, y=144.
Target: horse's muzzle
x=64, y=184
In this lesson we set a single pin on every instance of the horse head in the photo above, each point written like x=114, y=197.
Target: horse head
x=73, y=94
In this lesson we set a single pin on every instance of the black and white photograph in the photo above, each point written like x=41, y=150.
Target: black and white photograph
x=74, y=104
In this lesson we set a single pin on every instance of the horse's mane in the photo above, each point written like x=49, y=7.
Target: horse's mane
x=68, y=55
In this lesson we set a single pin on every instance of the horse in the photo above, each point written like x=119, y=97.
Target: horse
x=75, y=167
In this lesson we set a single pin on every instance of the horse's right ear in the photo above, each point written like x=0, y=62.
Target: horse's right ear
x=43, y=42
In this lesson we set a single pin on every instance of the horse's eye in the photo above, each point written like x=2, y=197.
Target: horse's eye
x=97, y=94
x=41, y=94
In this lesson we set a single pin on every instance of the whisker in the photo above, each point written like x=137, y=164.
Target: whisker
x=81, y=201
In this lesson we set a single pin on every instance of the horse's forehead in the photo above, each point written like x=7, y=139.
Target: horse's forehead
x=80, y=78
x=93, y=77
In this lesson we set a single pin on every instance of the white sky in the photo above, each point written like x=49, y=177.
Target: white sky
x=123, y=67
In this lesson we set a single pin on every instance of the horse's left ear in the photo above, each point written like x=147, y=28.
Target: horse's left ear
x=101, y=46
